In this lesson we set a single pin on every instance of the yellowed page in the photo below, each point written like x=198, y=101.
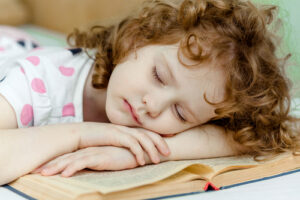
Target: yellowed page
x=106, y=182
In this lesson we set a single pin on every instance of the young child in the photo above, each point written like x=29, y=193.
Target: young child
x=205, y=69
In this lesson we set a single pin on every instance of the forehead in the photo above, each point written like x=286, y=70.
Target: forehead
x=196, y=81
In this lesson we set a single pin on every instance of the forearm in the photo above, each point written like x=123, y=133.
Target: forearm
x=205, y=141
x=22, y=150
x=200, y=142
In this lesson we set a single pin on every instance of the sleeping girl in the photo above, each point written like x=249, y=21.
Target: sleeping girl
x=180, y=80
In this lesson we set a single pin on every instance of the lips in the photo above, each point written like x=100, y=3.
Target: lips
x=132, y=111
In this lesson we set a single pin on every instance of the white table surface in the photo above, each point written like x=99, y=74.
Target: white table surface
x=285, y=187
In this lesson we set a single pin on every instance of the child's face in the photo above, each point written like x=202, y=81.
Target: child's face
x=156, y=104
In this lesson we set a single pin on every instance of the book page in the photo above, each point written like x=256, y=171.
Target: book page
x=88, y=181
x=111, y=181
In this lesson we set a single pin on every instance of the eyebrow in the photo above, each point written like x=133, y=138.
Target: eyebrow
x=173, y=79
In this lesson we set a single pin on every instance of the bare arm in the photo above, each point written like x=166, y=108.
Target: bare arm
x=22, y=150
x=201, y=142
x=206, y=141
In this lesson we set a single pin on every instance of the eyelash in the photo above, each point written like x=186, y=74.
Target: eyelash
x=180, y=117
x=156, y=77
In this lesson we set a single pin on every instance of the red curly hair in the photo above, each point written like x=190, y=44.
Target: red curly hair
x=257, y=103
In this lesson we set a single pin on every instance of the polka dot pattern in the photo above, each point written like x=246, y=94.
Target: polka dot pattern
x=34, y=60
x=38, y=85
x=68, y=110
x=66, y=71
x=26, y=114
x=46, y=83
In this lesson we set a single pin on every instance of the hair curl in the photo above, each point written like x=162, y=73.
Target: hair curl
x=235, y=32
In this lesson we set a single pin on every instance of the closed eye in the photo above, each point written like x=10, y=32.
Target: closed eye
x=156, y=76
x=179, y=115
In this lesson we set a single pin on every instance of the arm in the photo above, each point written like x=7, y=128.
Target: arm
x=200, y=142
x=22, y=150
x=206, y=141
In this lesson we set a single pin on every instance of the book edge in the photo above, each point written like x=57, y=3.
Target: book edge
x=18, y=192
x=176, y=195
x=260, y=179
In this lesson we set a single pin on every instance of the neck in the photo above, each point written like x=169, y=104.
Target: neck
x=94, y=102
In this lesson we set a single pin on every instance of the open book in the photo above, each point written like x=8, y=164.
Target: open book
x=168, y=178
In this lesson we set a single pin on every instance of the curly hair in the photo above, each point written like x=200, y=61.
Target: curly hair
x=236, y=32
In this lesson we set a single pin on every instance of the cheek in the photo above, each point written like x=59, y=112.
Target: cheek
x=115, y=116
x=125, y=79
x=110, y=112
x=115, y=78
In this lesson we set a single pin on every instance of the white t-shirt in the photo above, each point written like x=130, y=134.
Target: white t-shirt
x=43, y=85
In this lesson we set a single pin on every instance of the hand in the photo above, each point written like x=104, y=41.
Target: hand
x=96, y=158
x=135, y=139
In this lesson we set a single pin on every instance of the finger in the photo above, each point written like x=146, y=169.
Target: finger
x=40, y=168
x=72, y=168
x=51, y=162
x=54, y=168
x=131, y=143
x=43, y=166
x=57, y=165
x=160, y=143
x=37, y=170
x=149, y=146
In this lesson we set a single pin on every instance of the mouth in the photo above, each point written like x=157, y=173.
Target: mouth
x=132, y=111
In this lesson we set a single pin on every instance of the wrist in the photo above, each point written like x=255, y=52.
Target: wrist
x=86, y=134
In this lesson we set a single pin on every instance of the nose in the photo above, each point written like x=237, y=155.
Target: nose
x=156, y=103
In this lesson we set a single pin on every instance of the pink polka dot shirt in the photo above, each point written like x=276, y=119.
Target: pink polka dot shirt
x=45, y=85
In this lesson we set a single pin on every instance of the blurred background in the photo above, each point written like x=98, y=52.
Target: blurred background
x=64, y=15
x=49, y=21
